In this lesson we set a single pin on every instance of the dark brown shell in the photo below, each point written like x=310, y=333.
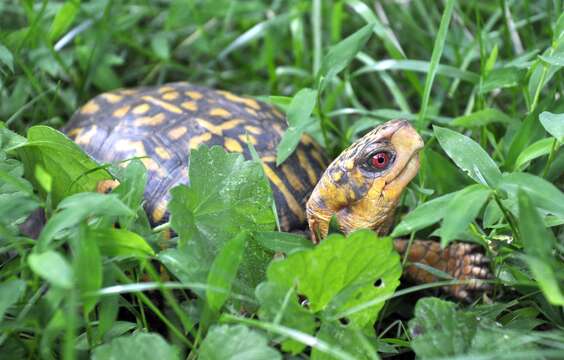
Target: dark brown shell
x=165, y=122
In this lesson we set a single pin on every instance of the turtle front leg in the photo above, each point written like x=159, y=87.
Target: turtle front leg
x=460, y=260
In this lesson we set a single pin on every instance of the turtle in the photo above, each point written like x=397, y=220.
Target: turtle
x=361, y=187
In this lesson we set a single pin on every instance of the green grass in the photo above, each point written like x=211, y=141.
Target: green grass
x=481, y=80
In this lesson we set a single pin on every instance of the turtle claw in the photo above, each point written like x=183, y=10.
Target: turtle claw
x=467, y=262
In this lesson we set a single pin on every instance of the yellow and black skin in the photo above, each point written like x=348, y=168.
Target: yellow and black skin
x=164, y=123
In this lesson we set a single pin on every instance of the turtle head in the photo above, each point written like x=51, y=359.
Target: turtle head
x=362, y=186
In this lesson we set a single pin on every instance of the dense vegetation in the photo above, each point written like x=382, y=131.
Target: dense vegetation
x=481, y=81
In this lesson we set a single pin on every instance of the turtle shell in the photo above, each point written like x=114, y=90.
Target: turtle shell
x=164, y=123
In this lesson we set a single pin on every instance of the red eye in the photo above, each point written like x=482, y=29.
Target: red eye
x=380, y=160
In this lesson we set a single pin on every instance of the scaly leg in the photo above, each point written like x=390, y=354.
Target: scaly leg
x=460, y=260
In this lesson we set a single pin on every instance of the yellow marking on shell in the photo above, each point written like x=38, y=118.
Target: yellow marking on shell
x=162, y=153
x=90, y=108
x=195, y=141
x=316, y=155
x=292, y=203
x=74, y=132
x=195, y=95
x=166, y=88
x=159, y=212
x=129, y=145
x=150, y=120
x=304, y=163
x=190, y=105
x=251, y=111
x=172, y=95
x=277, y=112
x=253, y=129
x=278, y=128
x=138, y=149
x=122, y=111
x=128, y=92
x=177, y=132
x=112, y=98
x=246, y=138
x=292, y=177
x=307, y=139
x=252, y=103
x=232, y=145
x=220, y=112
x=218, y=129
x=268, y=158
x=153, y=166
x=84, y=138
x=141, y=109
x=163, y=104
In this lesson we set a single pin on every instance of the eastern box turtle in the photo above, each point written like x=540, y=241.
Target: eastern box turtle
x=361, y=187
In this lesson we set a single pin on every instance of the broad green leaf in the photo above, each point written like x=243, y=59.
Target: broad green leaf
x=351, y=340
x=10, y=292
x=533, y=151
x=160, y=46
x=226, y=195
x=8, y=138
x=132, y=182
x=74, y=209
x=440, y=330
x=71, y=169
x=341, y=54
x=288, y=143
x=502, y=78
x=44, y=179
x=556, y=59
x=438, y=47
x=441, y=173
x=545, y=195
x=87, y=267
x=492, y=214
x=469, y=156
x=461, y=210
x=64, y=19
x=17, y=200
x=481, y=118
x=341, y=273
x=236, y=343
x=553, y=124
x=121, y=243
x=424, y=215
x=539, y=242
x=138, y=346
x=224, y=270
x=301, y=107
x=281, y=306
x=530, y=130
x=53, y=267
x=298, y=115
x=6, y=57
x=282, y=241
